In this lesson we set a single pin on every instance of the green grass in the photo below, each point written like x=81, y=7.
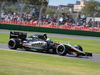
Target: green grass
x=4, y=37
x=88, y=45
x=22, y=63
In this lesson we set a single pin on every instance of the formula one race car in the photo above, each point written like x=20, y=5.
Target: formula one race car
x=41, y=43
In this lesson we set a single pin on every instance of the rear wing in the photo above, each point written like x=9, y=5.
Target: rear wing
x=19, y=35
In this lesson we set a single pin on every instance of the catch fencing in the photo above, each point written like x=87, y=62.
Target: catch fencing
x=50, y=25
x=41, y=16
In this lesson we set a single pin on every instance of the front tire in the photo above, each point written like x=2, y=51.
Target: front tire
x=80, y=48
x=61, y=50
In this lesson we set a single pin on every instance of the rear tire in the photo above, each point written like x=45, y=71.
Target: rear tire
x=13, y=43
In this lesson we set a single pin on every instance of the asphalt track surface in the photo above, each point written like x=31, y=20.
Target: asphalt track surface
x=96, y=57
x=58, y=35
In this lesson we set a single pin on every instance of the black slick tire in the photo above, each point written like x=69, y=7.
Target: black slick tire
x=61, y=50
x=80, y=48
x=13, y=43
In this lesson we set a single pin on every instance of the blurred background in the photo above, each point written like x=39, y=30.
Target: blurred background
x=75, y=15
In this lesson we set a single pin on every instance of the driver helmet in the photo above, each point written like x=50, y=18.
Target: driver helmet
x=44, y=34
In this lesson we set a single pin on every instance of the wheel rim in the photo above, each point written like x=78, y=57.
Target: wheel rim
x=11, y=43
x=60, y=49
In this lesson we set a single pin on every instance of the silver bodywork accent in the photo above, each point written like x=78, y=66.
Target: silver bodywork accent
x=36, y=45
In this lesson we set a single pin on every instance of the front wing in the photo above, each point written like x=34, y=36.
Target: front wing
x=79, y=51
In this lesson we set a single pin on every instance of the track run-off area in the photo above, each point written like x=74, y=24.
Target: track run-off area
x=96, y=57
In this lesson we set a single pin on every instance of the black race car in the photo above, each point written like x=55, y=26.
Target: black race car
x=39, y=42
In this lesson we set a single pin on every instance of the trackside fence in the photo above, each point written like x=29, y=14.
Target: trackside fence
x=51, y=25
x=49, y=30
x=58, y=17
